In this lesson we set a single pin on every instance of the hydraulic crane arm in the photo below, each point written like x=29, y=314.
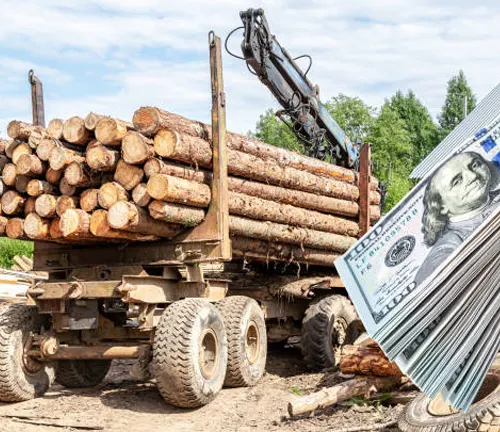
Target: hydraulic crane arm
x=310, y=120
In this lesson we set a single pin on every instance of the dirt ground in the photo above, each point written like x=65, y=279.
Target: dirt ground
x=123, y=404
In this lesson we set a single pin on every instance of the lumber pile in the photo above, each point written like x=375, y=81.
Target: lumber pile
x=99, y=179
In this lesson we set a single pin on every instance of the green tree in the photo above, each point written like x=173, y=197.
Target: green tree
x=419, y=124
x=452, y=111
x=272, y=130
x=392, y=154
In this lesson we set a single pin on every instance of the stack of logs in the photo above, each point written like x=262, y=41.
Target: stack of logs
x=101, y=179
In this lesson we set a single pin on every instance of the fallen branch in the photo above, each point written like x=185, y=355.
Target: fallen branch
x=370, y=427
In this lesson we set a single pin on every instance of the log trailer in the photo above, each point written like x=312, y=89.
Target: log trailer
x=201, y=317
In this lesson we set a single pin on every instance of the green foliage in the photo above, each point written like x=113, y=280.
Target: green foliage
x=10, y=248
x=422, y=130
x=272, y=130
x=352, y=115
x=452, y=111
x=392, y=154
x=296, y=390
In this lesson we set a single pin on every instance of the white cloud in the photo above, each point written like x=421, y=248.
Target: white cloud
x=360, y=48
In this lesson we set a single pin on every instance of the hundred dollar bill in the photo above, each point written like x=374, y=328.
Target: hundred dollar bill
x=394, y=263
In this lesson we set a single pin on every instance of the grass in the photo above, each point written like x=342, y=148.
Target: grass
x=10, y=248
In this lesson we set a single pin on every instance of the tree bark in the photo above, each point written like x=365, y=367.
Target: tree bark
x=55, y=129
x=15, y=228
x=53, y=176
x=341, y=392
x=186, y=148
x=45, y=205
x=140, y=195
x=30, y=165
x=174, y=189
x=75, y=132
x=36, y=228
x=129, y=176
x=126, y=216
x=64, y=203
x=3, y=224
x=10, y=147
x=12, y=203
x=75, y=223
x=176, y=213
x=149, y=121
x=37, y=187
x=29, y=205
x=65, y=188
x=362, y=360
x=91, y=120
x=110, y=131
x=100, y=158
x=22, y=183
x=20, y=150
x=3, y=145
x=9, y=174
x=4, y=160
x=110, y=193
x=136, y=148
x=99, y=226
x=88, y=200
x=61, y=157
x=250, y=249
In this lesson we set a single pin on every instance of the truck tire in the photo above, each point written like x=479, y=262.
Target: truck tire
x=484, y=415
x=81, y=373
x=190, y=353
x=328, y=323
x=246, y=340
x=21, y=377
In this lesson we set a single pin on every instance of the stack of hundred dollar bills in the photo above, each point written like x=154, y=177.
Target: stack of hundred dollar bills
x=425, y=280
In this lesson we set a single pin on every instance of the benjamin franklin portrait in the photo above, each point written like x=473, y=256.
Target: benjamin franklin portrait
x=459, y=196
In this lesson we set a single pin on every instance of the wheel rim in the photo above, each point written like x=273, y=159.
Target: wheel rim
x=337, y=336
x=208, y=353
x=252, y=342
x=29, y=364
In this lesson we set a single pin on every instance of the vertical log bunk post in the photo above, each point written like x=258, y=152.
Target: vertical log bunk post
x=364, y=189
x=37, y=99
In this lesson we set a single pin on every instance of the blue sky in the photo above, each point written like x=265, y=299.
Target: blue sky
x=113, y=56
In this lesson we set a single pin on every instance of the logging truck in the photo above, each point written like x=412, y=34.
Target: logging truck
x=197, y=303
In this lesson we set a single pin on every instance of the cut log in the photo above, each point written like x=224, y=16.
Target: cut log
x=340, y=393
x=3, y=224
x=129, y=176
x=19, y=130
x=174, y=189
x=75, y=223
x=100, y=158
x=76, y=175
x=20, y=150
x=149, y=121
x=3, y=144
x=10, y=147
x=136, y=148
x=4, y=160
x=110, y=193
x=3, y=187
x=99, y=226
x=53, y=176
x=126, y=216
x=55, y=129
x=110, y=131
x=37, y=135
x=36, y=227
x=280, y=233
x=30, y=165
x=176, y=213
x=140, y=195
x=15, y=228
x=45, y=148
x=89, y=200
x=75, y=132
x=186, y=148
x=37, y=187
x=29, y=205
x=91, y=120
x=65, y=188
x=361, y=360
x=45, y=205
x=60, y=157
x=22, y=183
x=12, y=203
x=9, y=174
x=258, y=250
x=64, y=203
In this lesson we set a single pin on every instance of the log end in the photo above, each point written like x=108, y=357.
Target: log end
x=135, y=149
x=13, y=128
x=157, y=186
x=15, y=228
x=107, y=130
x=74, y=131
x=74, y=222
x=35, y=227
x=145, y=120
x=121, y=214
x=45, y=205
x=165, y=142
